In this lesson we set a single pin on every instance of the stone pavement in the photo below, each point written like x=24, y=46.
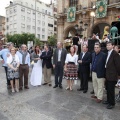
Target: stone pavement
x=46, y=103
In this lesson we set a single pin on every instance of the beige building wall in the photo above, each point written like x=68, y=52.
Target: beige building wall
x=83, y=13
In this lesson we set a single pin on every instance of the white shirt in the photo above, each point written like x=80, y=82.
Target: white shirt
x=59, y=54
x=27, y=60
x=10, y=59
x=109, y=53
x=70, y=58
x=83, y=54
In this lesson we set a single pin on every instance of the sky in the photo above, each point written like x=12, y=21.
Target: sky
x=4, y=3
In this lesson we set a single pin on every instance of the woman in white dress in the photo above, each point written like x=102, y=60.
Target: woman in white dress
x=36, y=75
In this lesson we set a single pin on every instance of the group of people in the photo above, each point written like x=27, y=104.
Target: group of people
x=105, y=68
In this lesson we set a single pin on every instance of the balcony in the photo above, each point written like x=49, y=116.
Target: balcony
x=113, y=1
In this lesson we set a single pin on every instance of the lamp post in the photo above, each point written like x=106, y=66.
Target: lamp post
x=92, y=14
x=81, y=27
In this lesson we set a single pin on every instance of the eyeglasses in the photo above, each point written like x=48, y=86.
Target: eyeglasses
x=96, y=47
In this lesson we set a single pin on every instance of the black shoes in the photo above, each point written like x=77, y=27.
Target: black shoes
x=44, y=84
x=60, y=86
x=26, y=87
x=55, y=86
x=105, y=102
x=85, y=91
x=50, y=85
x=110, y=106
x=79, y=89
x=92, y=92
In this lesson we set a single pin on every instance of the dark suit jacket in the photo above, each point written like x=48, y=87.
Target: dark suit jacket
x=113, y=67
x=100, y=64
x=63, y=56
x=84, y=67
x=46, y=59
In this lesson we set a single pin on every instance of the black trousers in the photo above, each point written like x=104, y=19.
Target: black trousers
x=8, y=81
x=84, y=80
x=58, y=74
x=111, y=92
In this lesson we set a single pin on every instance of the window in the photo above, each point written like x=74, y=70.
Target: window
x=39, y=21
x=33, y=12
x=45, y=11
x=11, y=26
x=43, y=29
x=10, y=11
x=38, y=28
x=15, y=32
x=33, y=27
x=43, y=23
x=31, y=6
x=15, y=25
x=14, y=17
x=38, y=36
x=10, y=33
x=7, y=12
x=73, y=3
x=55, y=28
x=23, y=9
x=15, y=9
x=37, y=8
x=43, y=16
x=42, y=10
x=43, y=36
x=50, y=25
x=28, y=19
x=7, y=27
x=49, y=13
x=39, y=15
x=11, y=18
x=28, y=27
x=33, y=20
x=22, y=25
x=22, y=17
x=26, y=4
x=28, y=11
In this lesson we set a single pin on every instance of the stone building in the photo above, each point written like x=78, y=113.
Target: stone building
x=85, y=16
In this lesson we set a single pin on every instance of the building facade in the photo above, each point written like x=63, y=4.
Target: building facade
x=2, y=28
x=85, y=15
x=30, y=16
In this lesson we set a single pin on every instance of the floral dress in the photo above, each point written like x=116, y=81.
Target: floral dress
x=12, y=74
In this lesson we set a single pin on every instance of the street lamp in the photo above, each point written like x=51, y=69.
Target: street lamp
x=92, y=14
x=81, y=27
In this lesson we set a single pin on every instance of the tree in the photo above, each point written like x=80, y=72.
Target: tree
x=38, y=42
x=52, y=41
x=19, y=39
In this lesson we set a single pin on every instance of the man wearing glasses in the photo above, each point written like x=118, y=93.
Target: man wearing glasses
x=98, y=72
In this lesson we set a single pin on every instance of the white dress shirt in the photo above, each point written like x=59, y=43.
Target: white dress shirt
x=109, y=53
x=59, y=54
x=83, y=54
x=70, y=58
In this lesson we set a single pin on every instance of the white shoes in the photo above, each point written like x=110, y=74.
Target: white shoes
x=13, y=90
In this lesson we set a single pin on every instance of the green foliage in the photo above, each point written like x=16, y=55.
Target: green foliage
x=38, y=42
x=19, y=39
x=52, y=41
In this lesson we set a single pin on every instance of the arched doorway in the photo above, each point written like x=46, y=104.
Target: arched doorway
x=69, y=31
x=99, y=28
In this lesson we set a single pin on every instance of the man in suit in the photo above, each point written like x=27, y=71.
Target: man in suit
x=112, y=72
x=47, y=65
x=58, y=64
x=98, y=72
x=84, y=68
